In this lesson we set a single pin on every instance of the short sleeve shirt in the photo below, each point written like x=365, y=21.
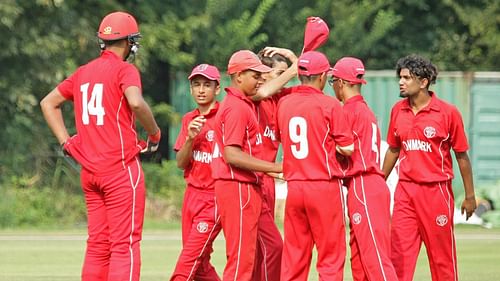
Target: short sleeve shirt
x=236, y=125
x=106, y=137
x=266, y=116
x=310, y=126
x=198, y=173
x=425, y=139
x=366, y=134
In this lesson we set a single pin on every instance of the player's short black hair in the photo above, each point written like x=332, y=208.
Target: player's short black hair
x=271, y=61
x=307, y=79
x=418, y=66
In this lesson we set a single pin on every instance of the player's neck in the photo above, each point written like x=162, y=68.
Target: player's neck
x=420, y=100
x=205, y=108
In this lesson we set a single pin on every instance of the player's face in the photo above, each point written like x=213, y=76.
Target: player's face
x=204, y=90
x=250, y=81
x=278, y=68
x=334, y=82
x=409, y=85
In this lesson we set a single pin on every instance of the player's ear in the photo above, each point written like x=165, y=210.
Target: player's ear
x=217, y=89
x=424, y=83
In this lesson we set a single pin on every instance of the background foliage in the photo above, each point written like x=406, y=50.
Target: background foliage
x=45, y=40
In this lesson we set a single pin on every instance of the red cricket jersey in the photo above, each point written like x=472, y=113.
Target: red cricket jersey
x=236, y=124
x=310, y=125
x=199, y=172
x=266, y=116
x=425, y=139
x=366, y=135
x=106, y=137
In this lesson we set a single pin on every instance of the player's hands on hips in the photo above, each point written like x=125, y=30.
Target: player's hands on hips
x=469, y=206
x=194, y=127
x=152, y=143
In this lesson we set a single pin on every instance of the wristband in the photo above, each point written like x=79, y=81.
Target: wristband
x=156, y=137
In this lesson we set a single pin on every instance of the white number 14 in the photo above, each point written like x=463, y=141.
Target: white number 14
x=94, y=105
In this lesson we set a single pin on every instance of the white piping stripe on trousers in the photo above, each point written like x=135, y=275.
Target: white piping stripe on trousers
x=134, y=186
x=265, y=256
x=204, y=247
x=241, y=224
x=364, y=203
x=342, y=201
x=451, y=228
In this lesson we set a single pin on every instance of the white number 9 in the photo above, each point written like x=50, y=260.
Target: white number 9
x=297, y=128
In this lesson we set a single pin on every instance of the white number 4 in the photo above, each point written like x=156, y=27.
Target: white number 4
x=94, y=105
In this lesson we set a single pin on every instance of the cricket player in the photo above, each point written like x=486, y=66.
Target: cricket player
x=200, y=219
x=368, y=199
x=270, y=243
x=237, y=164
x=107, y=98
x=312, y=127
x=422, y=130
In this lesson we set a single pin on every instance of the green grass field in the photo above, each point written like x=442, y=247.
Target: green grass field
x=27, y=255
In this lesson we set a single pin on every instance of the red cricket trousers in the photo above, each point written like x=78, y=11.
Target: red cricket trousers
x=368, y=205
x=269, y=241
x=314, y=215
x=200, y=227
x=239, y=205
x=115, y=211
x=424, y=213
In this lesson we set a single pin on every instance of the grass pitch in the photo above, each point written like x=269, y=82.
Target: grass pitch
x=27, y=255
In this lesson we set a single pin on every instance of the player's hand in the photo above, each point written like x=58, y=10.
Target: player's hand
x=195, y=126
x=65, y=147
x=278, y=176
x=271, y=51
x=469, y=205
x=152, y=143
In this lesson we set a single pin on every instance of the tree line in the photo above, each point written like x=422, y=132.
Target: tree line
x=45, y=40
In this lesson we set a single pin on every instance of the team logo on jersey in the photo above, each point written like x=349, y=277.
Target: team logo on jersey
x=202, y=227
x=210, y=135
x=356, y=218
x=107, y=30
x=429, y=132
x=441, y=220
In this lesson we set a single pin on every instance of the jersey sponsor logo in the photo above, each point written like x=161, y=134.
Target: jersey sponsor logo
x=441, y=220
x=210, y=135
x=201, y=156
x=268, y=133
x=356, y=218
x=430, y=132
x=414, y=144
x=202, y=227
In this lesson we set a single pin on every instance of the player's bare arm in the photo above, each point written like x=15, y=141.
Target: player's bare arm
x=141, y=110
x=184, y=155
x=391, y=156
x=345, y=150
x=469, y=203
x=233, y=155
x=51, y=108
x=273, y=86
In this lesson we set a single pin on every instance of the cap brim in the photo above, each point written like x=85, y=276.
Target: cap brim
x=261, y=68
x=202, y=74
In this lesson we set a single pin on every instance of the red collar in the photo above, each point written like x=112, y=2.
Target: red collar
x=434, y=105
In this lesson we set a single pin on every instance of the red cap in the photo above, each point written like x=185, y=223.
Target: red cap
x=244, y=60
x=348, y=68
x=315, y=34
x=313, y=62
x=206, y=70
